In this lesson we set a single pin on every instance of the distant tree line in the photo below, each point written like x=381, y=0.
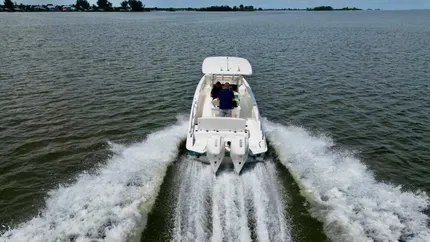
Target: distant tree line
x=80, y=5
x=224, y=8
x=330, y=8
x=138, y=6
x=347, y=9
x=126, y=5
x=132, y=5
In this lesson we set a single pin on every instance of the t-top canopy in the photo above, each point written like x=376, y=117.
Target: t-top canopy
x=226, y=65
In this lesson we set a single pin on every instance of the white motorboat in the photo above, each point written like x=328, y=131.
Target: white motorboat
x=214, y=139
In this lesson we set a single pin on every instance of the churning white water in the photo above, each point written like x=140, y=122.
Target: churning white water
x=229, y=207
x=343, y=192
x=111, y=204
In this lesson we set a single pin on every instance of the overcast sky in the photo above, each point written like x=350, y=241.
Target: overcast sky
x=382, y=4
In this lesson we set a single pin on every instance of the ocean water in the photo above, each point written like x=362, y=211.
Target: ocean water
x=93, y=110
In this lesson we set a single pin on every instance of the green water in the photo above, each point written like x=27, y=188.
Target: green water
x=73, y=82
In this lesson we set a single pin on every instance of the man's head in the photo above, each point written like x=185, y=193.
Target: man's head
x=218, y=84
x=226, y=85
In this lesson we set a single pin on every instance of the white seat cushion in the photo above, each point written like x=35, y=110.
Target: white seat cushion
x=221, y=124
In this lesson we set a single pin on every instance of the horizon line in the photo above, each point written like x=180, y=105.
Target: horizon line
x=256, y=7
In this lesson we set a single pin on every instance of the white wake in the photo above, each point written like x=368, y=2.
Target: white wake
x=344, y=194
x=229, y=207
x=111, y=205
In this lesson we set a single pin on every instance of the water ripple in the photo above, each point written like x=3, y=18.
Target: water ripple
x=71, y=81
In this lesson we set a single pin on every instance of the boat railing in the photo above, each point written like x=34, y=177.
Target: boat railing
x=192, y=120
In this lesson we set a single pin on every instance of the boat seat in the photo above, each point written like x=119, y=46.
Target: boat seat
x=221, y=124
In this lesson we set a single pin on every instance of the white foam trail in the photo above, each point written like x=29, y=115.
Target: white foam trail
x=110, y=205
x=191, y=220
x=232, y=197
x=229, y=215
x=344, y=194
x=263, y=193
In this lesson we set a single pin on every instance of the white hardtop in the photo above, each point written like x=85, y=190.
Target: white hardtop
x=226, y=65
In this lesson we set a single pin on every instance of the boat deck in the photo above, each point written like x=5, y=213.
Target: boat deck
x=207, y=105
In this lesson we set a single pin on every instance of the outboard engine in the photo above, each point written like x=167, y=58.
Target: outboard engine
x=215, y=151
x=239, y=152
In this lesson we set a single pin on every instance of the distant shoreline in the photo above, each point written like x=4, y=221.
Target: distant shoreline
x=330, y=8
x=126, y=8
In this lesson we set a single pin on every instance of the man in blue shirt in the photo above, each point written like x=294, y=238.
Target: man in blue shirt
x=225, y=97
